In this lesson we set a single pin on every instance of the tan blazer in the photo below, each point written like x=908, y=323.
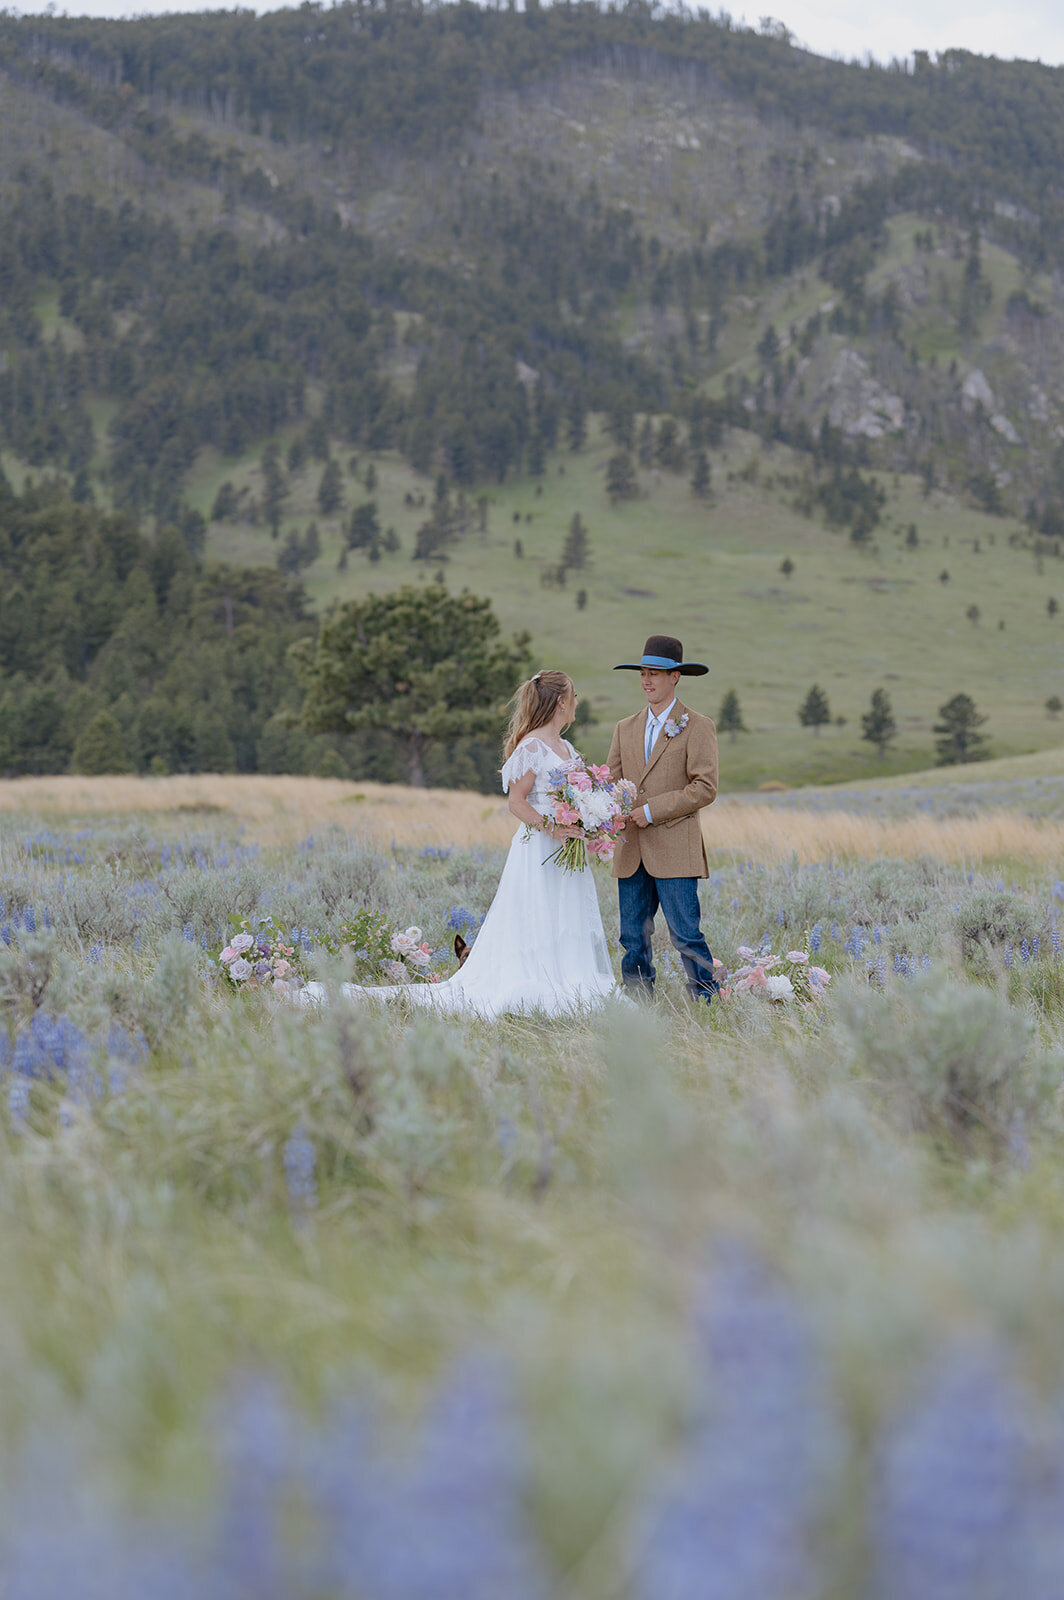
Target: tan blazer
x=678, y=780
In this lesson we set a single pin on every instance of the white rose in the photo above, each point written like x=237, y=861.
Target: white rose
x=241, y=969
x=242, y=942
x=779, y=987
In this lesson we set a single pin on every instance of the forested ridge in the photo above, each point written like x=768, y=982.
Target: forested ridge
x=347, y=228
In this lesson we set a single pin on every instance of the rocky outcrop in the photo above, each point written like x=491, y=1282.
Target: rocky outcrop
x=859, y=404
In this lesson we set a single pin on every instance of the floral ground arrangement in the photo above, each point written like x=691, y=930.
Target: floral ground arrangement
x=764, y=1304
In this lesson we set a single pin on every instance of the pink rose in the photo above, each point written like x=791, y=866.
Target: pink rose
x=745, y=951
x=798, y=956
x=228, y=954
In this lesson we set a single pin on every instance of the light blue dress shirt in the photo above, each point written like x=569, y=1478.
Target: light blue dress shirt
x=653, y=729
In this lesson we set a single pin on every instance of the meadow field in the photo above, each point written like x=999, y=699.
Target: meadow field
x=754, y=1303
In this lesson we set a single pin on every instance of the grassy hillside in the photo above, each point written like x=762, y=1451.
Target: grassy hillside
x=848, y=618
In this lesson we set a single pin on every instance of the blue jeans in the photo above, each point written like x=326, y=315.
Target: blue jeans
x=641, y=895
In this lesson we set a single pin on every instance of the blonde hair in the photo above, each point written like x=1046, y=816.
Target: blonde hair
x=533, y=705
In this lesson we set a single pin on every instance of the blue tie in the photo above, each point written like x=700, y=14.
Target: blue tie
x=652, y=728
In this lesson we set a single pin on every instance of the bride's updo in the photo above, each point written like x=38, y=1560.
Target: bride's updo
x=534, y=705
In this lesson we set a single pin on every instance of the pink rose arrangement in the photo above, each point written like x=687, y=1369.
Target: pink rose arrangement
x=263, y=958
x=781, y=979
x=586, y=797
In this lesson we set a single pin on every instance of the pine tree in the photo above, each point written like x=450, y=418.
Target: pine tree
x=100, y=746
x=311, y=546
x=959, y=740
x=646, y=443
x=877, y=724
x=365, y=526
x=330, y=489
x=814, y=711
x=576, y=423
x=537, y=455
x=621, y=424
x=577, y=546
x=701, y=477
x=1051, y=607
x=786, y=566
x=730, y=716
x=620, y=477
x=391, y=662
x=973, y=614
x=1054, y=705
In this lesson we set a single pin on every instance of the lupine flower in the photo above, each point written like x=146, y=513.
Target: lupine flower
x=261, y=1451
x=447, y=1523
x=49, y=1047
x=945, y=1521
x=737, y=1521
x=300, y=1170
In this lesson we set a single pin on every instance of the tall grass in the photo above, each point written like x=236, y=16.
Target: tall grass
x=357, y=1302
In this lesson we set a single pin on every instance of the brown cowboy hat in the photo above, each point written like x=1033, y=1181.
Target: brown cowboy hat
x=664, y=654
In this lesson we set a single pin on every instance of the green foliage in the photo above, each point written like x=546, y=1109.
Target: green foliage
x=950, y=1058
x=577, y=547
x=701, y=477
x=814, y=711
x=100, y=747
x=958, y=737
x=621, y=483
x=852, y=501
x=330, y=489
x=877, y=723
x=116, y=652
x=730, y=716
x=418, y=663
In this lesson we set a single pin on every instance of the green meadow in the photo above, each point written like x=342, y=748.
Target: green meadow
x=849, y=618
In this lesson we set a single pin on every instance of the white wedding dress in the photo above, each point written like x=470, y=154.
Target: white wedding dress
x=541, y=947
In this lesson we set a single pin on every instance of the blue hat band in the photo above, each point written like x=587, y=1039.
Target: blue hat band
x=661, y=662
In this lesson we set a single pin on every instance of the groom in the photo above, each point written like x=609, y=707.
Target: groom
x=670, y=753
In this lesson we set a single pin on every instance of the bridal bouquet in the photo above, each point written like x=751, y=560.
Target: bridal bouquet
x=586, y=797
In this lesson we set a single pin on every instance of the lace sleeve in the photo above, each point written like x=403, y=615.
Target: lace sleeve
x=528, y=757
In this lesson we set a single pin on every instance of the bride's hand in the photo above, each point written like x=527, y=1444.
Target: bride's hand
x=560, y=831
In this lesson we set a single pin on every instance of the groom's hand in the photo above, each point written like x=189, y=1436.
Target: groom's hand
x=640, y=818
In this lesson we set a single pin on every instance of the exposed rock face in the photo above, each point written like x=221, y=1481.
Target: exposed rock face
x=975, y=391
x=1001, y=424
x=858, y=404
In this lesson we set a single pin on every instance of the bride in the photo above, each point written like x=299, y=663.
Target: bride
x=541, y=946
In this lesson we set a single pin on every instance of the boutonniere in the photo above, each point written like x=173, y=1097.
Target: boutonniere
x=673, y=728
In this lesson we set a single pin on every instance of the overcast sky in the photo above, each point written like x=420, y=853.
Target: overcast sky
x=1031, y=29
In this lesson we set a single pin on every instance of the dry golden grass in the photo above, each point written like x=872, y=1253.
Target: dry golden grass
x=274, y=810
x=282, y=810
x=759, y=833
